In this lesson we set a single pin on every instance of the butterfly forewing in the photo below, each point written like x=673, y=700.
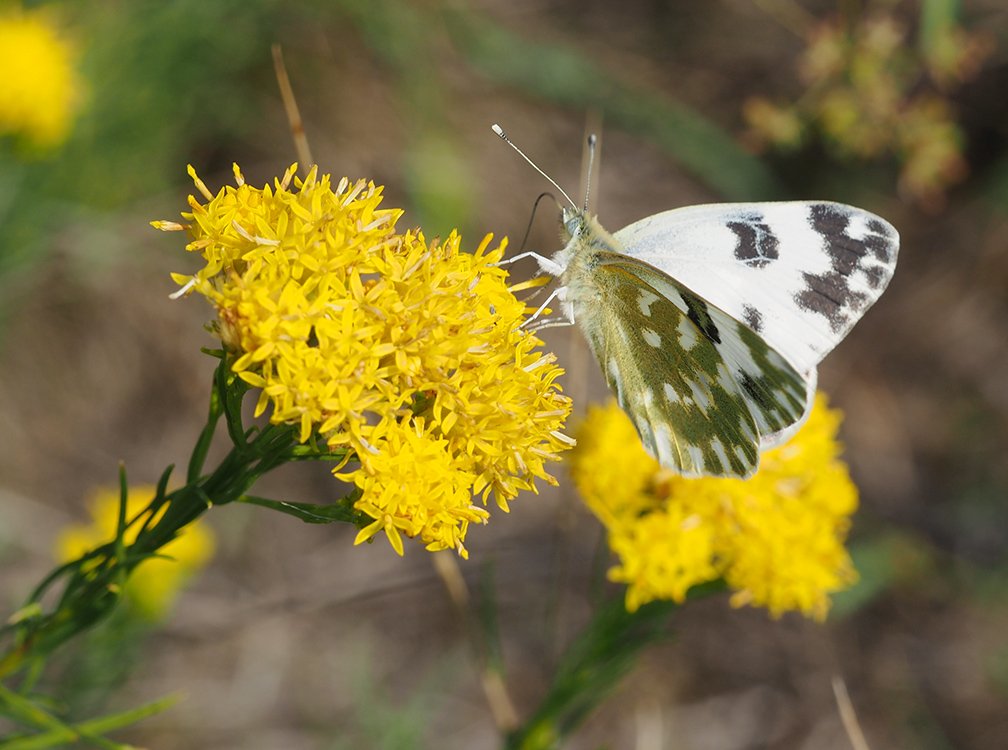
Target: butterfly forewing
x=799, y=274
x=700, y=387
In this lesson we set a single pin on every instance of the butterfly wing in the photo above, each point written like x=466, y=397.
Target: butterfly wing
x=799, y=274
x=704, y=391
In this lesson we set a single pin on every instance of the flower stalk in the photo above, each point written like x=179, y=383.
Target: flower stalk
x=93, y=583
x=593, y=666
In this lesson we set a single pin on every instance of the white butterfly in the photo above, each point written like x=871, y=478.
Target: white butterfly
x=709, y=321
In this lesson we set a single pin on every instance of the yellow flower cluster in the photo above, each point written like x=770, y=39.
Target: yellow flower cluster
x=39, y=88
x=777, y=539
x=870, y=94
x=153, y=585
x=407, y=355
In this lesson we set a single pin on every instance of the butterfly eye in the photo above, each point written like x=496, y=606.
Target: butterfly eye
x=573, y=222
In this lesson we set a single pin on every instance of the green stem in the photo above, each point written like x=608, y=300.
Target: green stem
x=593, y=665
x=92, y=584
x=202, y=447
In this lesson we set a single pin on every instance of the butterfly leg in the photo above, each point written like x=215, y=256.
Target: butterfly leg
x=568, y=313
x=550, y=323
x=546, y=264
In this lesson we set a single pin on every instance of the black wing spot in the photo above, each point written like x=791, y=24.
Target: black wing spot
x=756, y=243
x=752, y=318
x=880, y=241
x=759, y=391
x=833, y=223
x=697, y=312
x=828, y=220
x=829, y=295
x=846, y=254
x=877, y=276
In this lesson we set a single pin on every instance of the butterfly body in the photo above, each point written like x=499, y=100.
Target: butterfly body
x=708, y=321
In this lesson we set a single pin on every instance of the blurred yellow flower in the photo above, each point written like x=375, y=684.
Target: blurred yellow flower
x=153, y=585
x=39, y=88
x=382, y=344
x=777, y=539
x=870, y=93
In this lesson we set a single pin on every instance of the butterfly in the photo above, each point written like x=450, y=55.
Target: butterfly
x=709, y=321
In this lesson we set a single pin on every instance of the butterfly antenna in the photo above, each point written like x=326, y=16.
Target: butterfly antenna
x=592, y=140
x=500, y=131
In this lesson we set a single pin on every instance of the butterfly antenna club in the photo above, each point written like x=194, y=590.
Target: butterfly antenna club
x=503, y=136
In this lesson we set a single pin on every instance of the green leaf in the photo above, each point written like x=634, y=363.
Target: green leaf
x=308, y=512
x=58, y=733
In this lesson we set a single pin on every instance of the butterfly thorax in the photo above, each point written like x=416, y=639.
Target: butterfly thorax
x=585, y=239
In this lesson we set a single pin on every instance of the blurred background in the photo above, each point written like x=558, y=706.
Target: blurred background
x=291, y=637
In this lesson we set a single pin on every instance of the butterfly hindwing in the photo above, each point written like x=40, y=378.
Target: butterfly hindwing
x=701, y=388
x=799, y=274
x=777, y=395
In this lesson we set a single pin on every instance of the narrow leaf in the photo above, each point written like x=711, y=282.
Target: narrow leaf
x=307, y=512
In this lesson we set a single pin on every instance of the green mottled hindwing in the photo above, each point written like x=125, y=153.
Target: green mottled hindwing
x=703, y=390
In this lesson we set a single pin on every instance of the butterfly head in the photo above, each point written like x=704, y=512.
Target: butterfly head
x=579, y=230
x=573, y=223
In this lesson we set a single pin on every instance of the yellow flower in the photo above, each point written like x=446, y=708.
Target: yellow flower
x=379, y=342
x=438, y=506
x=39, y=88
x=777, y=539
x=154, y=583
x=610, y=467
